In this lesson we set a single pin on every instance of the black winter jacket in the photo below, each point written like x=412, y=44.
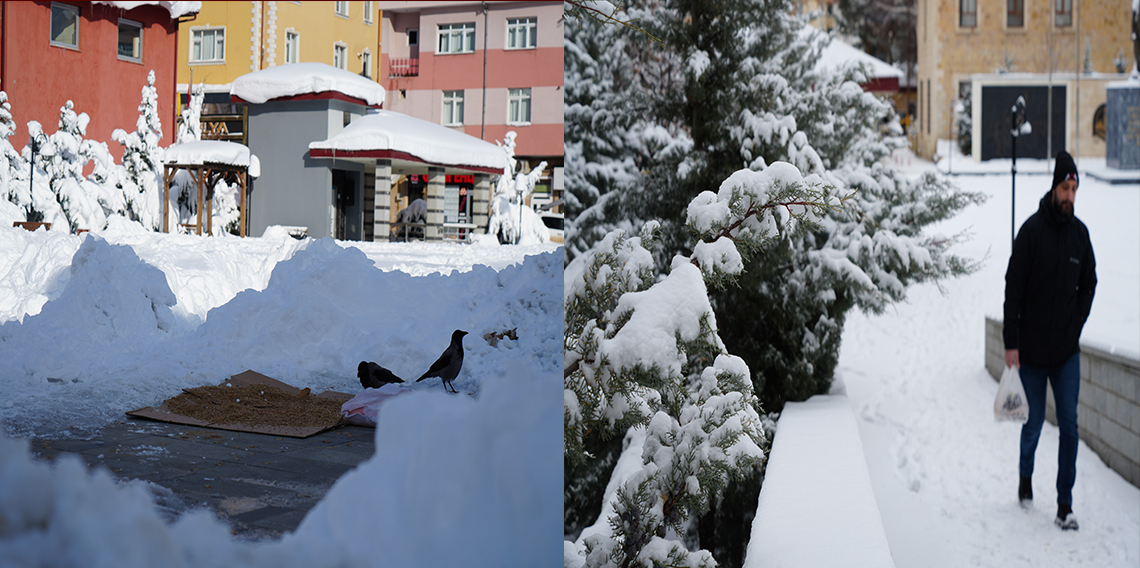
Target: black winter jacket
x=1049, y=287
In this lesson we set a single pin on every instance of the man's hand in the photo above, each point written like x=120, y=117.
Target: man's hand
x=1012, y=358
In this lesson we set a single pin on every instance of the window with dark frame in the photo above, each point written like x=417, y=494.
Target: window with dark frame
x=130, y=41
x=413, y=37
x=65, y=25
x=967, y=13
x=1064, y=13
x=1015, y=14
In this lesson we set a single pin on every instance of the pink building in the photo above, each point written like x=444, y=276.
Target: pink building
x=484, y=72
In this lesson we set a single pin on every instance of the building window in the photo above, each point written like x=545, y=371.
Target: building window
x=208, y=45
x=453, y=108
x=368, y=13
x=967, y=13
x=130, y=41
x=457, y=38
x=1015, y=14
x=413, y=37
x=65, y=25
x=341, y=8
x=522, y=33
x=292, y=47
x=518, y=106
x=340, y=56
x=366, y=63
x=1064, y=17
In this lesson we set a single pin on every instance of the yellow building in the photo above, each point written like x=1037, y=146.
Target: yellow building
x=229, y=39
x=968, y=48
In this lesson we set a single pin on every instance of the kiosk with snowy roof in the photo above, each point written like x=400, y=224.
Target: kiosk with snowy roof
x=451, y=170
x=208, y=162
x=288, y=107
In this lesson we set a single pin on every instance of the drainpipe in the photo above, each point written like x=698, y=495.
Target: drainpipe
x=4, y=48
x=483, y=120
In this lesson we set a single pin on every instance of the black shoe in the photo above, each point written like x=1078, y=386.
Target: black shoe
x=1065, y=518
x=1025, y=492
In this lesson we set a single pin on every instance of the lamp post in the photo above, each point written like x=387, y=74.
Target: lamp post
x=1018, y=126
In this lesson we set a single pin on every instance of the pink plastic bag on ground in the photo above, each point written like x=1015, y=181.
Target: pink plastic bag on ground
x=361, y=410
x=1010, y=403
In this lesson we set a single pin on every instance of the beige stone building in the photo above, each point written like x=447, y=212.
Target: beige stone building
x=990, y=51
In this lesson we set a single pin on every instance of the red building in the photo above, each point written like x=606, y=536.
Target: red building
x=96, y=54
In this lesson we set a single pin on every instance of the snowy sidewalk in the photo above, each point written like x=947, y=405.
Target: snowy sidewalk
x=262, y=486
x=944, y=473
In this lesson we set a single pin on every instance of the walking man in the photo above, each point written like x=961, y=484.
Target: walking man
x=1049, y=288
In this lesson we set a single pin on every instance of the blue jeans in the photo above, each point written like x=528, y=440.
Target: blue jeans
x=1066, y=382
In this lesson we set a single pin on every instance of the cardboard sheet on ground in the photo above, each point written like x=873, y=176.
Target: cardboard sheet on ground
x=163, y=413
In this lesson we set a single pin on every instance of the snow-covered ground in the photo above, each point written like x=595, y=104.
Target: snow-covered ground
x=944, y=473
x=92, y=326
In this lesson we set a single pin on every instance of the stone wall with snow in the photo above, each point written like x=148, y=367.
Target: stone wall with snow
x=1108, y=412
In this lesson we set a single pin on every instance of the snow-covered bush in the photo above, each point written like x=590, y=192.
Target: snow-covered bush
x=650, y=124
x=512, y=221
x=642, y=351
x=12, y=165
x=964, y=120
x=142, y=159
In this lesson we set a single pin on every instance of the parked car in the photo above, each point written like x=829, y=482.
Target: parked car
x=553, y=222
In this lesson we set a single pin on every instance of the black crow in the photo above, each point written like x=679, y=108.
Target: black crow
x=448, y=365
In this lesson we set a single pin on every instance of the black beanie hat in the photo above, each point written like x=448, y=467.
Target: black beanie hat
x=1064, y=169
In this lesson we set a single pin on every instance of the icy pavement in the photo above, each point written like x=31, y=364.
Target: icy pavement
x=944, y=473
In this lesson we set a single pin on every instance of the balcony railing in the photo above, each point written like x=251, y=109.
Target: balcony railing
x=404, y=67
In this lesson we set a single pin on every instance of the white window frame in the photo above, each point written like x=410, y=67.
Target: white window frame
x=366, y=63
x=292, y=46
x=368, y=13
x=515, y=100
x=340, y=48
x=529, y=29
x=452, y=32
x=409, y=33
x=68, y=8
x=340, y=8
x=454, y=99
x=140, y=45
x=197, y=32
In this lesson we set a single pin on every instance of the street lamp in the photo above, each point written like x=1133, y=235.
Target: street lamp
x=1018, y=126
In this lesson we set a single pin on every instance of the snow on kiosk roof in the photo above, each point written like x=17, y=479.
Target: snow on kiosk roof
x=391, y=135
x=306, y=81
x=212, y=152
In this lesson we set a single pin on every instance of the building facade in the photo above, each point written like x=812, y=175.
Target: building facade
x=989, y=51
x=229, y=39
x=484, y=68
x=97, y=55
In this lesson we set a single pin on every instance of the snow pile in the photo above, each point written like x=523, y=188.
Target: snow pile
x=213, y=152
x=302, y=79
x=118, y=332
x=176, y=9
x=483, y=475
x=428, y=142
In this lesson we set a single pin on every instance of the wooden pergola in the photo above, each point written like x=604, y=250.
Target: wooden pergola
x=206, y=176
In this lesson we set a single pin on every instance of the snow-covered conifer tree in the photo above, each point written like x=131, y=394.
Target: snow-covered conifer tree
x=61, y=157
x=642, y=351
x=190, y=129
x=11, y=163
x=651, y=124
x=142, y=159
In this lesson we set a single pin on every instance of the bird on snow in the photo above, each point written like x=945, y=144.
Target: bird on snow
x=373, y=376
x=448, y=365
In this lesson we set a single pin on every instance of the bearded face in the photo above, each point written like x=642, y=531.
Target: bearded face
x=1063, y=197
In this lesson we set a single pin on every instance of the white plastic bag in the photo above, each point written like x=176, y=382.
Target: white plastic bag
x=363, y=408
x=1010, y=403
